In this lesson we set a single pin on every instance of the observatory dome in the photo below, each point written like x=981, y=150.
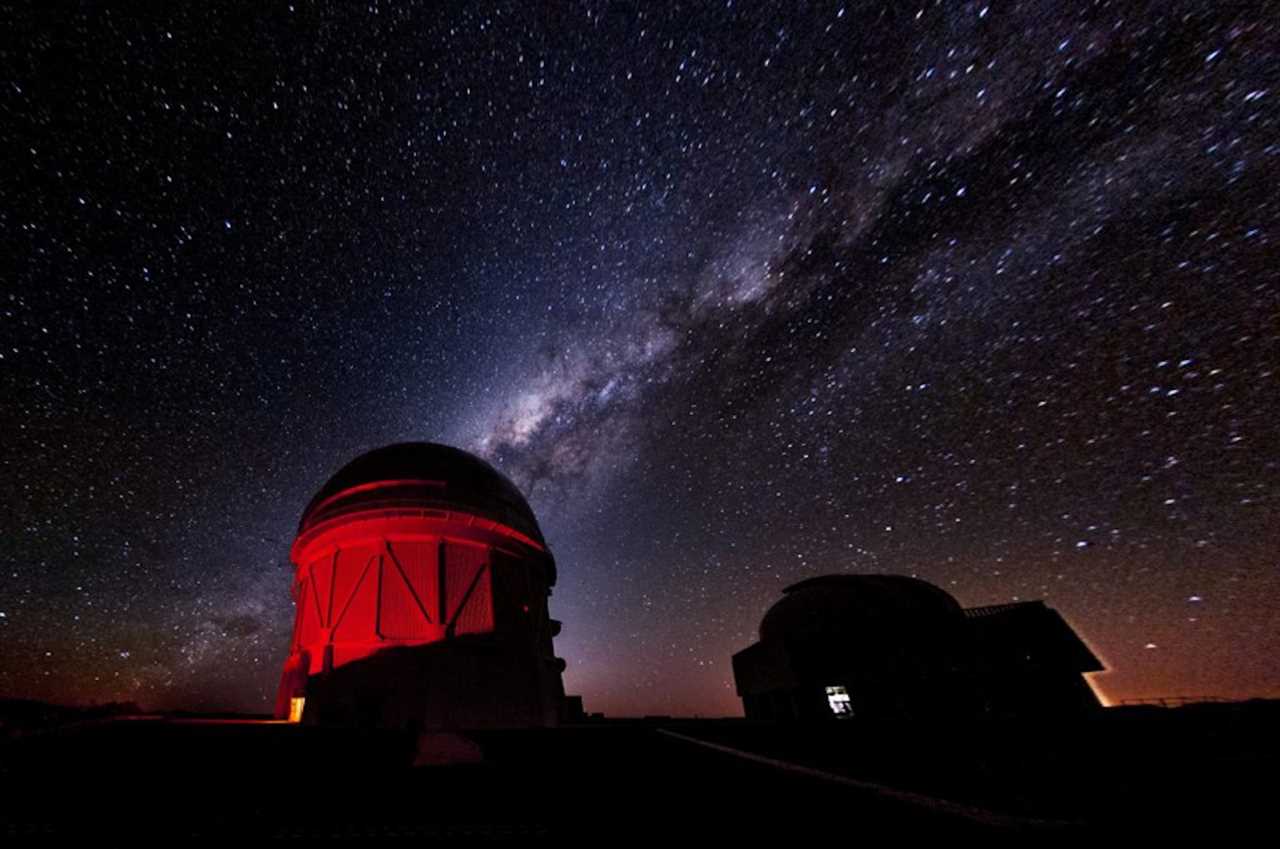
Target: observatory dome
x=423, y=475
x=857, y=606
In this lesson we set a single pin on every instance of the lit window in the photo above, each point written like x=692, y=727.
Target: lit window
x=295, y=708
x=838, y=700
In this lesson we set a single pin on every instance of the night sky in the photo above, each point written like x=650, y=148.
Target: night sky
x=988, y=294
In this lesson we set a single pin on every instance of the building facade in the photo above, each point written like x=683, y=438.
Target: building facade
x=890, y=646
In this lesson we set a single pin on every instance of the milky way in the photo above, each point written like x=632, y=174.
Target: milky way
x=981, y=293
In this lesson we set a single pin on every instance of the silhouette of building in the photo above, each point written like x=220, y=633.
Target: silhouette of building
x=421, y=589
x=890, y=646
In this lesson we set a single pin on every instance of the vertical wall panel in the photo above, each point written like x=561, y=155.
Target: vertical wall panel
x=350, y=563
x=419, y=562
x=322, y=578
x=476, y=616
x=464, y=564
x=510, y=590
x=309, y=625
x=403, y=616
x=359, y=621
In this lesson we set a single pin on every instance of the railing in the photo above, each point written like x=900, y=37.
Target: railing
x=991, y=609
x=1173, y=701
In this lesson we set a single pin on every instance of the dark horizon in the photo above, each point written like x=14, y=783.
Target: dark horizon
x=737, y=296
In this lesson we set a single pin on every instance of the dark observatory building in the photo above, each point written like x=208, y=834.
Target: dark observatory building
x=889, y=646
x=421, y=589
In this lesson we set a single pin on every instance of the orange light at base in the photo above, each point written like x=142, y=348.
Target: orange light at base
x=295, y=708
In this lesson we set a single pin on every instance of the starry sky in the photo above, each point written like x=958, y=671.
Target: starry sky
x=984, y=293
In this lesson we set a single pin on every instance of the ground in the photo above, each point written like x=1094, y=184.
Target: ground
x=1132, y=772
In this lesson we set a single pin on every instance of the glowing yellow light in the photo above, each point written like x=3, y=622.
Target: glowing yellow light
x=295, y=708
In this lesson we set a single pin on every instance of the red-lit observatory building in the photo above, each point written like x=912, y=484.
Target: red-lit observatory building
x=421, y=585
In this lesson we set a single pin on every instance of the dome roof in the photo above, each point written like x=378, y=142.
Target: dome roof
x=861, y=606
x=426, y=475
